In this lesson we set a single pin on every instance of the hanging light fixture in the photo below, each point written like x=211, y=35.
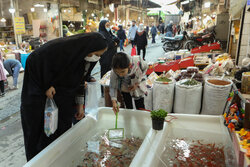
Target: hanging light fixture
x=71, y=25
x=207, y=4
x=12, y=10
x=39, y=5
x=3, y=20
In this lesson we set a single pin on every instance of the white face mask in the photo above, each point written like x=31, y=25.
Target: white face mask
x=93, y=58
x=108, y=29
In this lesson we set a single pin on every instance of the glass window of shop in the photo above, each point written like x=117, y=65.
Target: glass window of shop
x=40, y=20
x=6, y=24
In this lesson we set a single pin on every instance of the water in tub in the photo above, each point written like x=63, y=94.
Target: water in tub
x=191, y=148
x=101, y=152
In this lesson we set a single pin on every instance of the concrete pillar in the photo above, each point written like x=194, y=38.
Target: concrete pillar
x=60, y=19
x=14, y=4
x=116, y=14
x=127, y=15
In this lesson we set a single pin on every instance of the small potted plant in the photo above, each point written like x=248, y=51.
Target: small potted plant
x=158, y=118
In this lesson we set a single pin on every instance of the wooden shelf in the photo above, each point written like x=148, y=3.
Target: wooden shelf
x=6, y=31
x=5, y=26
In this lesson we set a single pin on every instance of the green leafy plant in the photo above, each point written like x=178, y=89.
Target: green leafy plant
x=159, y=114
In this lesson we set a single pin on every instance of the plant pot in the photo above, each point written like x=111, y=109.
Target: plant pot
x=157, y=124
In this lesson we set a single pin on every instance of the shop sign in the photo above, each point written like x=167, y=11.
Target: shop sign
x=19, y=25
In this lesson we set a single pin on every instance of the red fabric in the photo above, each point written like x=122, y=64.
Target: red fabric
x=206, y=48
x=172, y=65
x=133, y=51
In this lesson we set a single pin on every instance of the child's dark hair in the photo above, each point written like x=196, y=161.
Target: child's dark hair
x=120, y=60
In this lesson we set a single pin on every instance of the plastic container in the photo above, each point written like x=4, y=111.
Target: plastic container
x=157, y=124
x=216, y=92
x=67, y=150
x=209, y=129
x=24, y=58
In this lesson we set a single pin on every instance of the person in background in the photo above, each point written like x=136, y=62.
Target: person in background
x=57, y=70
x=178, y=29
x=174, y=29
x=122, y=37
x=147, y=31
x=127, y=75
x=13, y=67
x=141, y=41
x=169, y=29
x=106, y=59
x=2, y=75
x=162, y=28
x=132, y=33
x=153, y=32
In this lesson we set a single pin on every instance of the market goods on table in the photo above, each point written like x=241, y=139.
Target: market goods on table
x=216, y=92
x=151, y=78
x=185, y=74
x=116, y=153
x=188, y=95
x=245, y=82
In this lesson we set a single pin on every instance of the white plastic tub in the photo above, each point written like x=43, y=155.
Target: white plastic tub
x=192, y=127
x=67, y=149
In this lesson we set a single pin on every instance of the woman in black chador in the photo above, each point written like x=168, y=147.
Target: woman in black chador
x=57, y=70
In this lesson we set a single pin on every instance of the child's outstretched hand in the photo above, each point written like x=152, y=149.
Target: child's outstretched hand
x=132, y=88
x=115, y=106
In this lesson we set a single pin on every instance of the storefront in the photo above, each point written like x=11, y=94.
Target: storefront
x=40, y=20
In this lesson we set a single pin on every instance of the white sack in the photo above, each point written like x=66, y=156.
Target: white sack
x=215, y=98
x=148, y=100
x=187, y=98
x=163, y=96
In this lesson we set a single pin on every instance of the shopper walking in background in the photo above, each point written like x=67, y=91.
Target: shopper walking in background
x=113, y=41
x=132, y=33
x=122, y=37
x=147, y=31
x=2, y=75
x=178, y=29
x=162, y=28
x=141, y=41
x=13, y=67
x=174, y=29
x=169, y=29
x=56, y=70
x=153, y=32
